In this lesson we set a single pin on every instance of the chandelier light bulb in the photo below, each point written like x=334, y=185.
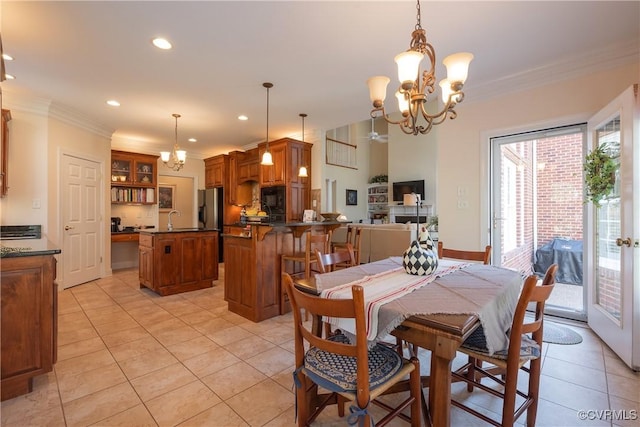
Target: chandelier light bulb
x=378, y=88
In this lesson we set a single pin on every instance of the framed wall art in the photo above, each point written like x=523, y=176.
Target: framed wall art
x=352, y=197
x=166, y=197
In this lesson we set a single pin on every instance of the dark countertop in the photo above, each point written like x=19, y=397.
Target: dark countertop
x=27, y=247
x=287, y=224
x=178, y=230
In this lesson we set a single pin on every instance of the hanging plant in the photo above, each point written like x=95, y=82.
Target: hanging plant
x=600, y=174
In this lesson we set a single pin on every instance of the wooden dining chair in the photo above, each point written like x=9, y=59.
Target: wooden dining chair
x=329, y=363
x=482, y=256
x=525, y=347
x=344, y=257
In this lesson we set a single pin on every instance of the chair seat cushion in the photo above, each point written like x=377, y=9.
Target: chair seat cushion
x=338, y=373
x=529, y=349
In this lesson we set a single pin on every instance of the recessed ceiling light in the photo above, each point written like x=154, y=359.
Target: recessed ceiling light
x=192, y=140
x=243, y=117
x=7, y=57
x=10, y=76
x=113, y=103
x=161, y=43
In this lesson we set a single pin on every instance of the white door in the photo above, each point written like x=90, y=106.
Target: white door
x=81, y=220
x=613, y=257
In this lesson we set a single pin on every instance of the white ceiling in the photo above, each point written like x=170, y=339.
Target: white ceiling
x=318, y=54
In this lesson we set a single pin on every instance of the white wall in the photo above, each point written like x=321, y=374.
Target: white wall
x=40, y=134
x=462, y=144
x=347, y=178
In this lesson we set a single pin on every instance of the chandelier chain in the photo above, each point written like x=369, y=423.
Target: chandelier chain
x=418, y=23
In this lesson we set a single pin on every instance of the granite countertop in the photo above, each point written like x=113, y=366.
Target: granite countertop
x=27, y=247
x=287, y=224
x=178, y=230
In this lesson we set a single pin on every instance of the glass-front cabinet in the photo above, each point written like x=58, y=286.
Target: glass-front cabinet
x=133, y=178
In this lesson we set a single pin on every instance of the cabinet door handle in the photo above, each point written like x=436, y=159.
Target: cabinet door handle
x=68, y=227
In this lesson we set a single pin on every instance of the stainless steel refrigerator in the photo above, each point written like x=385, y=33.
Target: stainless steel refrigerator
x=210, y=212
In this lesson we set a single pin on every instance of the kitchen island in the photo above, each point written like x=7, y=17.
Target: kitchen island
x=29, y=300
x=252, y=264
x=179, y=260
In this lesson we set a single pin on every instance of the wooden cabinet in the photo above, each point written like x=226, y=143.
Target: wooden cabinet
x=4, y=153
x=124, y=237
x=29, y=321
x=215, y=170
x=288, y=155
x=134, y=178
x=277, y=173
x=175, y=262
x=251, y=277
x=248, y=166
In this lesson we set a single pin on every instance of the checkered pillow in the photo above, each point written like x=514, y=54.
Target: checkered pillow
x=419, y=261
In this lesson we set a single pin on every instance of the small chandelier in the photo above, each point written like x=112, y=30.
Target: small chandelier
x=411, y=95
x=267, y=160
x=302, y=172
x=176, y=158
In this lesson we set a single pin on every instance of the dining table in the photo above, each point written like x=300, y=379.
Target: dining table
x=438, y=312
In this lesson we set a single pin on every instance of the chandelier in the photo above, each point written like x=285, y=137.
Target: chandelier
x=176, y=158
x=412, y=94
x=267, y=160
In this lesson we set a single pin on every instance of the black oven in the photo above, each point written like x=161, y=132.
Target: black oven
x=273, y=201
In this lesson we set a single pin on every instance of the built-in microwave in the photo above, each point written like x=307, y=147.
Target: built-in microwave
x=273, y=201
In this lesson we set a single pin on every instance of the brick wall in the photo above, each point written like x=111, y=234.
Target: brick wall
x=556, y=177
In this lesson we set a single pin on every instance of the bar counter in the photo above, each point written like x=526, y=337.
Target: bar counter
x=252, y=264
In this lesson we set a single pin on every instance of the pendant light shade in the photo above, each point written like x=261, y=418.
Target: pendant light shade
x=303, y=172
x=267, y=160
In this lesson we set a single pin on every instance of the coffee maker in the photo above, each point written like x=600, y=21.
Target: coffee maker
x=115, y=224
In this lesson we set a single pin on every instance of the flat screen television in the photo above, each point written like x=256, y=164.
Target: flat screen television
x=407, y=187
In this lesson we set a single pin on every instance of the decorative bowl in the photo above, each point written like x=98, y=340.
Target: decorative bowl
x=330, y=216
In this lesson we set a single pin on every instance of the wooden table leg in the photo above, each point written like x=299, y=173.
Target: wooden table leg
x=440, y=390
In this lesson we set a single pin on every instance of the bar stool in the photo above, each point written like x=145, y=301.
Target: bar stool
x=305, y=257
x=353, y=237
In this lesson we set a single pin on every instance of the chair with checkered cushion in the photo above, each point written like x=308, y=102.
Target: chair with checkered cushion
x=349, y=371
x=504, y=366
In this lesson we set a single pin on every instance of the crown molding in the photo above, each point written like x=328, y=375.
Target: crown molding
x=570, y=67
x=74, y=118
x=50, y=109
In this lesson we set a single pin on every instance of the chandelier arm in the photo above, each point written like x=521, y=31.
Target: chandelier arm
x=385, y=116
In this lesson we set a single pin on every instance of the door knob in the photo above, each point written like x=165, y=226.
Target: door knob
x=627, y=242
x=68, y=227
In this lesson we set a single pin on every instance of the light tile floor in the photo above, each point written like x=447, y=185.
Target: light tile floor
x=127, y=357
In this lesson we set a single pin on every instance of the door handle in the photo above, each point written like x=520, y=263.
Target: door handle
x=68, y=227
x=496, y=219
x=627, y=242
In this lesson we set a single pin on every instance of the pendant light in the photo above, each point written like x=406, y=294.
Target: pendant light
x=303, y=173
x=267, y=160
x=177, y=157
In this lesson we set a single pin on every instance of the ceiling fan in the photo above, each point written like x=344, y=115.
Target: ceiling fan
x=375, y=136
